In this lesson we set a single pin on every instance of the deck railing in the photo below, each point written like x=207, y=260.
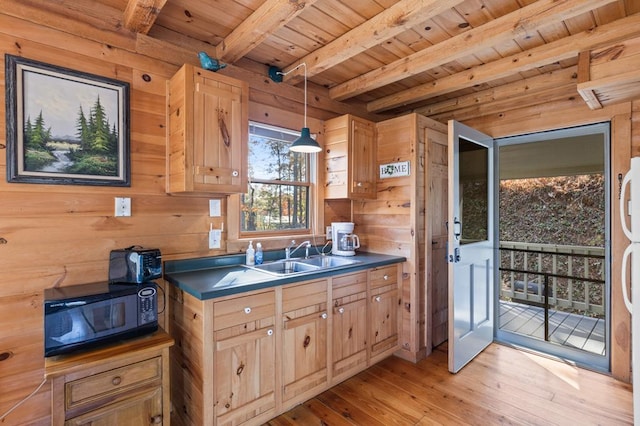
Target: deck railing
x=574, y=276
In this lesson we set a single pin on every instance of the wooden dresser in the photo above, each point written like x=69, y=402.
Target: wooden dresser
x=123, y=384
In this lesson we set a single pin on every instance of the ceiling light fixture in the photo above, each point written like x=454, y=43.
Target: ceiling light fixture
x=305, y=143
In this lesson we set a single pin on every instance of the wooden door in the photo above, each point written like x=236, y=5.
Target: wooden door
x=362, y=164
x=472, y=243
x=304, y=340
x=437, y=203
x=349, y=339
x=244, y=357
x=220, y=129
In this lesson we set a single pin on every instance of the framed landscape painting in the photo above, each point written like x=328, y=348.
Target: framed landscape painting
x=65, y=126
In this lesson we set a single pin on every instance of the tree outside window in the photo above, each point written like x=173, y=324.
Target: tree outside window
x=278, y=196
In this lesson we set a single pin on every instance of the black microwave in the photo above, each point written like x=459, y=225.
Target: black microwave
x=88, y=315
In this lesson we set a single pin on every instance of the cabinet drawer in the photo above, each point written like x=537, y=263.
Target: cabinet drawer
x=109, y=383
x=351, y=284
x=383, y=276
x=241, y=310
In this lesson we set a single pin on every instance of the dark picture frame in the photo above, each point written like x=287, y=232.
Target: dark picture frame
x=64, y=126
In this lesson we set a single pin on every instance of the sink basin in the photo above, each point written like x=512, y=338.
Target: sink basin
x=301, y=266
x=329, y=261
x=285, y=267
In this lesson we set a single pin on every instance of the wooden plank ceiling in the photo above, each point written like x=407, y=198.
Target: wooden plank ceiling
x=395, y=56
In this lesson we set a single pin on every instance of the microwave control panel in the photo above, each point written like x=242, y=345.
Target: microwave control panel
x=147, y=302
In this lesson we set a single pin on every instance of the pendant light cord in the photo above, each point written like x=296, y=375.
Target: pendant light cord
x=303, y=64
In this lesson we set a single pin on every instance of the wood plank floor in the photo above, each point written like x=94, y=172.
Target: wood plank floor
x=576, y=331
x=501, y=386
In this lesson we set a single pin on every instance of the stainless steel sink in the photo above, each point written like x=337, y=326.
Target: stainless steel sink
x=285, y=267
x=302, y=266
x=329, y=261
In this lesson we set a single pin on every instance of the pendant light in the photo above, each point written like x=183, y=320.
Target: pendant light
x=305, y=143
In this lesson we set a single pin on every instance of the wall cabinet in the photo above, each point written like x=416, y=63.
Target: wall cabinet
x=207, y=135
x=350, y=158
x=126, y=383
x=246, y=358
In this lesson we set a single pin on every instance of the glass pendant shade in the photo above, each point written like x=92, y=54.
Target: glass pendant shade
x=305, y=143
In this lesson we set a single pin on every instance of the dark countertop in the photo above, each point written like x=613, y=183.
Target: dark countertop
x=211, y=277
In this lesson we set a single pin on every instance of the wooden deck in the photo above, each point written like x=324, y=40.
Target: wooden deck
x=501, y=386
x=571, y=330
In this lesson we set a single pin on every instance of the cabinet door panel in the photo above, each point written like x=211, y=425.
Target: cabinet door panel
x=349, y=336
x=384, y=321
x=363, y=159
x=244, y=377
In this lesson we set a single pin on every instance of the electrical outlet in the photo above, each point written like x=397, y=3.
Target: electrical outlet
x=328, y=231
x=215, y=238
x=123, y=206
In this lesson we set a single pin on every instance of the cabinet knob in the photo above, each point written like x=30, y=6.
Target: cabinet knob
x=377, y=299
x=116, y=381
x=156, y=420
x=324, y=315
x=386, y=277
x=247, y=310
x=235, y=173
x=270, y=332
x=359, y=184
x=341, y=310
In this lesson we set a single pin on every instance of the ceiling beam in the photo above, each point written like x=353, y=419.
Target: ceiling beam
x=565, y=48
x=508, y=96
x=513, y=26
x=268, y=18
x=140, y=15
x=395, y=20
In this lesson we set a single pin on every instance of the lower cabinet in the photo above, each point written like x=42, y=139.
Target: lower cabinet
x=349, y=338
x=304, y=341
x=244, y=359
x=124, y=384
x=244, y=356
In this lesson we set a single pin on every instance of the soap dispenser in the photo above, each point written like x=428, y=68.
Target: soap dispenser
x=259, y=255
x=250, y=255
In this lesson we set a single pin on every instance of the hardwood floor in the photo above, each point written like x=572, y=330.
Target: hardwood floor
x=501, y=386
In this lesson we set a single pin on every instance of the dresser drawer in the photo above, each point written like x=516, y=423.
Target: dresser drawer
x=109, y=383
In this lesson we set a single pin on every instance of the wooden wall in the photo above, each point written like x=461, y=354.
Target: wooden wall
x=59, y=235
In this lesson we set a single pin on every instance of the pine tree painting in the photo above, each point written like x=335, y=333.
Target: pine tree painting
x=70, y=127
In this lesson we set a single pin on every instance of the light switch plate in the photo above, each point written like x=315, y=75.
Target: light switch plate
x=214, y=208
x=123, y=206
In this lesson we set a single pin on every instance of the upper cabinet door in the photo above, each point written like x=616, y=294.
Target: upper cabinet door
x=208, y=133
x=350, y=158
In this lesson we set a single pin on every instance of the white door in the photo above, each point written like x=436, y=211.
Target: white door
x=471, y=239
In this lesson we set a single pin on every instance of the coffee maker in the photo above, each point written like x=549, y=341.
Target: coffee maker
x=345, y=242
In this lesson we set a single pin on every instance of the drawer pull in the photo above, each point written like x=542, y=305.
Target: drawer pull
x=156, y=420
x=386, y=277
x=116, y=381
x=324, y=315
x=270, y=332
x=247, y=310
x=341, y=311
x=377, y=299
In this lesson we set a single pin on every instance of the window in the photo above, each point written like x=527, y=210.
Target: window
x=278, y=197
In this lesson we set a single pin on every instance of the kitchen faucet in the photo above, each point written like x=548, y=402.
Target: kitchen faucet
x=288, y=252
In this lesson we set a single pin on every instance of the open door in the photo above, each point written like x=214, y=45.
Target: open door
x=471, y=242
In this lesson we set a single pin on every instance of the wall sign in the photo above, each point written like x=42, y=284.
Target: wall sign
x=395, y=169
